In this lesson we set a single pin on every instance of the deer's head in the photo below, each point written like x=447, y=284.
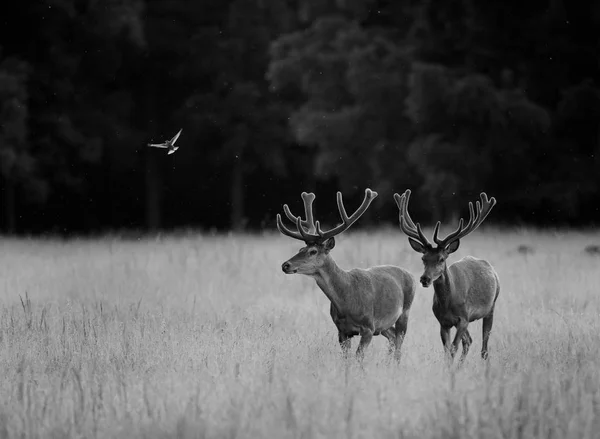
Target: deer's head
x=434, y=258
x=313, y=256
x=309, y=259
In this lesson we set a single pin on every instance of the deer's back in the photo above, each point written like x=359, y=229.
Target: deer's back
x=387, y=283
x=387, y=290
x=477, y=282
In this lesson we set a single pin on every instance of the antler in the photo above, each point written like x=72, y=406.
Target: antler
x=406, y=223
x=475, y=219
x=308, y=213
x=309, y=223
x=347, y=221
x=309, y=235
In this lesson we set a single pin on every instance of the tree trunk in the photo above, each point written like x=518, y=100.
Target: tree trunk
x=237, y=195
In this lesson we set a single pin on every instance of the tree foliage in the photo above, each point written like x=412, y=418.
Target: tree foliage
x=448, y=99
x=346, y=87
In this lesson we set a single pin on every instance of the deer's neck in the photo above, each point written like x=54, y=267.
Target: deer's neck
x=442, y=287
x=334, y=282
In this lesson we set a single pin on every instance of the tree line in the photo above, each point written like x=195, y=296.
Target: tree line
x=277, y=97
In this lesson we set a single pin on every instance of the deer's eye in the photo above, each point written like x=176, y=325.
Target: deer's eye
x=312, y=252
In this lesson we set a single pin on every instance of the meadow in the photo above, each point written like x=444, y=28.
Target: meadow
x=199, y=336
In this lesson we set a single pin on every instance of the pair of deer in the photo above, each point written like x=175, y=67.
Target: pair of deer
x=377, y=300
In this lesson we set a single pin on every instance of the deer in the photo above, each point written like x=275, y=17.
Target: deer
x=466, y=290
x=364, y=302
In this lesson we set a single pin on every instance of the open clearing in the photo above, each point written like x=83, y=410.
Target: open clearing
x=202, y=336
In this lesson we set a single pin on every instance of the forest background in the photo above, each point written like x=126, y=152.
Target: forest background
x=277, y=97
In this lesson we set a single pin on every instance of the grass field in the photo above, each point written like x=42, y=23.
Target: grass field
x=200, y=336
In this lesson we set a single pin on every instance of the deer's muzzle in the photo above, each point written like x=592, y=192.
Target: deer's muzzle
x=287, y=268
x=425, y=281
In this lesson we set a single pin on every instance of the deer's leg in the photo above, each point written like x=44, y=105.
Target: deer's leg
x=488, y=321
x=445, y=335
x=466, y=344
x=461, y=328
x=343, y=338
x=391, y=336
x=366, y=335
x=400, y=330
x=345, y=343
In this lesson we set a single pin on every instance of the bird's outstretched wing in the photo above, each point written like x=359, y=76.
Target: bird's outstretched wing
x=158, y=145
x=176, y=136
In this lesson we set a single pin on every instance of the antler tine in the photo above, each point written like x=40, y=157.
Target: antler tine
x=403, y=206
x=487, y=204
x=318, y=227
x=342, y=209
x=406, y=228
x=448, y=239
x=400, y=203
x=459, y=229
x=476, y=217
x=289, y=213
x=306, y=236
x=436, y=231
x=305, y=228
x=406, y=223
x=287, y=232
x=410, y=232
x=421, y=235
x=405, y=209
x=347, y=221
x=308, y=223
x=308, y=199
x=472, y=216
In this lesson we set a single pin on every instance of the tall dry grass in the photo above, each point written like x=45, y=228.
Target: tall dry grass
x=200, y=336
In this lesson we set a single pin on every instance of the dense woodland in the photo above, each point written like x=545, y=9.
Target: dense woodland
x=280, y=96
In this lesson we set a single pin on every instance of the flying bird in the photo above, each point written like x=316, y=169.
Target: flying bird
x=169, y=144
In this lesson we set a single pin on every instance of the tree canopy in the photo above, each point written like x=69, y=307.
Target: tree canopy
x=275, y=98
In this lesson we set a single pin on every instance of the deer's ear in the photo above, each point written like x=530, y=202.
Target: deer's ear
x=329, y=244
x=453, y=246
x=416, y=245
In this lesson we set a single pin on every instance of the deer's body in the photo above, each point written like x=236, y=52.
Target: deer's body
x=376, y=300
x=465, y=291
x=364, y=302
